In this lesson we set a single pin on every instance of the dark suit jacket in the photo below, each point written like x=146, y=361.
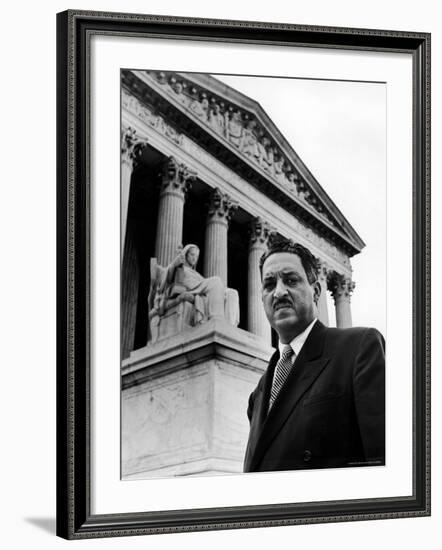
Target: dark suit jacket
x=331, y=410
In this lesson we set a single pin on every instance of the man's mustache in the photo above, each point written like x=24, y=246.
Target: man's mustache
x=282, y=302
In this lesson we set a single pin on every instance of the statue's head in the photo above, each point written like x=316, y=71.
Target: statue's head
x=191, y=254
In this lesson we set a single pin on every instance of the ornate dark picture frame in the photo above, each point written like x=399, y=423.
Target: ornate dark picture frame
x=74, y=32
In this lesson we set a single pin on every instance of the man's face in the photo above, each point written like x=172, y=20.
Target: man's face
x=288, y=298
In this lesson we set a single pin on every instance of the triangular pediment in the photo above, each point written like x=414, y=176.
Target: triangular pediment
x=224, y=119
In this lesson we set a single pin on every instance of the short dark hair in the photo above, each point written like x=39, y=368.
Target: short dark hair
x=281, y=244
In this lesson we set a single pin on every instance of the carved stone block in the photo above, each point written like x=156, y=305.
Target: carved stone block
x=184, y=403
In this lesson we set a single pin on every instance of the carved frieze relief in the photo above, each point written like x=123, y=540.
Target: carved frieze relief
x=154, y=120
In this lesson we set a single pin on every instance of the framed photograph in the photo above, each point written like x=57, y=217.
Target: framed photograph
x=243, y=274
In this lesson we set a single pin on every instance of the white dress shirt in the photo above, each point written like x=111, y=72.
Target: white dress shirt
x=297, y=343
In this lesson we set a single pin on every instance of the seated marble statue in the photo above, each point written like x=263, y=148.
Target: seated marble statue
x=180, y=283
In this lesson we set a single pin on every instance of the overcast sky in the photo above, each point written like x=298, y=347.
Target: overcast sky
x=339, y=131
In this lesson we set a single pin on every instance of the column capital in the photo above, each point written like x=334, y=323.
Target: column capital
x=128, y=140
x=323, y=270
x=131, y=146
x=221, y=207
x=260, y=232
x=340, y=286
x=176, y=178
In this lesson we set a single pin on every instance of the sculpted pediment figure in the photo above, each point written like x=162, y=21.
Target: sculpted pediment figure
x=200, y=108
x=234, y=128
x=250, y=141
x=216, y=118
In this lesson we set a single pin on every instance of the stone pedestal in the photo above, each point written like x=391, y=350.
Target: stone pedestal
x=184, y=402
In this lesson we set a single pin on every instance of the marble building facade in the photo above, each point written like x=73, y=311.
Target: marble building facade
x=204, y=164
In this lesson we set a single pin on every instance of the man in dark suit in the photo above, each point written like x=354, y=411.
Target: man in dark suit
x=321, y=401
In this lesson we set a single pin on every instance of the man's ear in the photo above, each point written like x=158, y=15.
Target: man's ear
x=316, y=292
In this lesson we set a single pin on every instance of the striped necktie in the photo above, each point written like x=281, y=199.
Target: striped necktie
x=283, y=368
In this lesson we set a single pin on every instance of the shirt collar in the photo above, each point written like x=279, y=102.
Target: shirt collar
x=298, y=341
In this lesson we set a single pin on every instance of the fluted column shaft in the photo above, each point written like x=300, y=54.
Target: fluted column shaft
x=126, y=174
x=221, y=208
x=170, y=226
x=216, y=250
x=175, y=182
x=129, y=293
x=342, y=287
x=131, y=152
x=322, y=303
x=257, y=322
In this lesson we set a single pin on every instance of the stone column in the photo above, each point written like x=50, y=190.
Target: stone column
x=130, y=281
x=257, y=322
x=176, y=180
x=341, y=288
x=322, y=304
x=221, y=209
x=131, y=150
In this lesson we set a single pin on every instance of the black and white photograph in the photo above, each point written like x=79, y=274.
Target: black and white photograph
x=244, y=260
x=253, y=274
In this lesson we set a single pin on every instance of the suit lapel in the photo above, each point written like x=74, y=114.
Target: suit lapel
x=308, y=366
